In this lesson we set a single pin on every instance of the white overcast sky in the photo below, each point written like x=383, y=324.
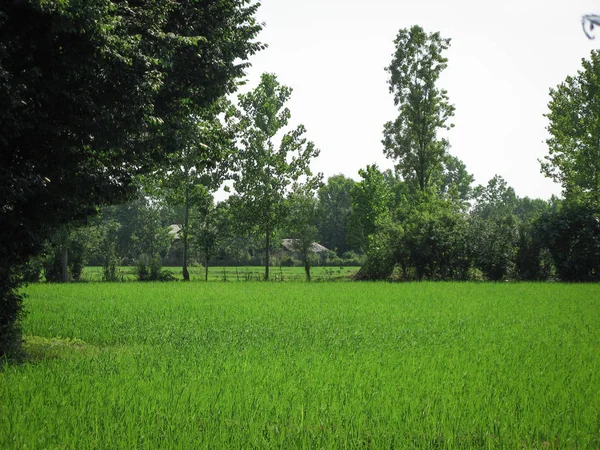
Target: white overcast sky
x=504, y=57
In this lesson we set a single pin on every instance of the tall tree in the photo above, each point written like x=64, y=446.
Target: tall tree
x=265, y=171
x=574, y=142
x=90, y=95
x=197, y=167
x=210, y=227
x=412, y=139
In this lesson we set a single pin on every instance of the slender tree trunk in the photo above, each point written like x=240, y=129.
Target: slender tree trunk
x=206, y=265
x=307, y=267
x=267, y=247
x=186, y=274
x=65, y=262
x=65, y=255
x=207, y=243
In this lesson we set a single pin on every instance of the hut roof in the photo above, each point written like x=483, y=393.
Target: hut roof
x=290, y=245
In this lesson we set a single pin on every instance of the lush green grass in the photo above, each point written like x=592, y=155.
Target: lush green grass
x=297, y=365
x=244, y=273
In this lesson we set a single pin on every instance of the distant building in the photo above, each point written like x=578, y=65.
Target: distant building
x=175, y=231
x=289, y=249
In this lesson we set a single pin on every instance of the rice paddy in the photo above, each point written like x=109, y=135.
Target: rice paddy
x=298, y=365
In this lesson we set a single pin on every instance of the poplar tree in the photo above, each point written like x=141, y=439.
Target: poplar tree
x=423, y=108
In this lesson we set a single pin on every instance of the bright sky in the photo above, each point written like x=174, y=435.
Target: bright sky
x=504, y=58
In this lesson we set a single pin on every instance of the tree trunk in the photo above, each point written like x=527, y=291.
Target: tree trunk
x=186, y=274
x=65, y=262
x=268, y=245
x=420, y=272
x=307, y=268
x=206, y=266
x=65, y=255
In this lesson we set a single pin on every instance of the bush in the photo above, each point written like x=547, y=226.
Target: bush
x=150, y=269
x=572, y=237
x=111, y=261
x=381, y=255
x=11, y=311
x=348, y=259
x=32, y=271
x=351, y=258
x=288, y=261
x=52, y=265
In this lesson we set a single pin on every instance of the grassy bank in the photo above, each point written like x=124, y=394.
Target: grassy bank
x=296, y=365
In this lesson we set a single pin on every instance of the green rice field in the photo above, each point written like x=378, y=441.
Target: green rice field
x=306, y=365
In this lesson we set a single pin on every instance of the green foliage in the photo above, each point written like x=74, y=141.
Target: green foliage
x=495, y=229
x=150, y=269
x=264, y=171
x=436, y=241
x=212, y=229
x=146, y=230
x=195, y=169
x=301, y=225
x=428, y=239
x=52, y=264
x=573, y=145
x=335, y=206
x=11, y=312
x=381, y=254
x=455, y=182
x=572, y=236
x=533, y=259
x=91, y=96
x=32, y=270
x=495, y=240
x=111, y=262
x=370, y=207
x=423, y=108
x=78, y=244
x=136, y=227
x=107, y=250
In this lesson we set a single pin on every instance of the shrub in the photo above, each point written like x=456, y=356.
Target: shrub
x=150, y=269
x=111, y=261
x=32, y=271
x=381, y=254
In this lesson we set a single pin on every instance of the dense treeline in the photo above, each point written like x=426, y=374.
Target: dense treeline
x=422, y=220
x=492, y=234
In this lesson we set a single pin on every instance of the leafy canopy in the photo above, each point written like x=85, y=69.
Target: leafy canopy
x=92, y=93
x=265, y=171
x=574, y=142
x=423, y=107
